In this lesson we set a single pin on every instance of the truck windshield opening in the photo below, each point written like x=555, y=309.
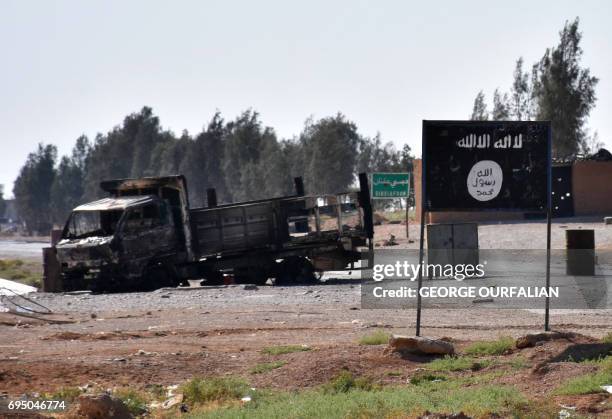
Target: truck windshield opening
x=93, y=223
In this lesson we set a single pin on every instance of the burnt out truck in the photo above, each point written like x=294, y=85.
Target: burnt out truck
x=144, y=236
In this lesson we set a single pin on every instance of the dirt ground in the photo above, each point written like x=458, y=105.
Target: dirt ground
x=171, y=335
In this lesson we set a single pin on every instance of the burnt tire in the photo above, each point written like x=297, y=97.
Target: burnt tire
x=257, y=276
x=212, y=278
x=296, y=270
x=155, y=277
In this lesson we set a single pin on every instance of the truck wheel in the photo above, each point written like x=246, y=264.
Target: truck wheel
x=257, y=276
x=212, y=278
x=296, y=270
x=156, y=277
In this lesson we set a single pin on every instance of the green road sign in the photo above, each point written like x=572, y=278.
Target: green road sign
x=390, y=185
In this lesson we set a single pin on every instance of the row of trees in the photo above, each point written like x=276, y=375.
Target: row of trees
x=558, y=89
x=241, y=158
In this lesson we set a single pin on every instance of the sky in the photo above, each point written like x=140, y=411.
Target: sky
x=72, y=67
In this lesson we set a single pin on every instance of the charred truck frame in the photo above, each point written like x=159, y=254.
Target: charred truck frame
x=144, y=236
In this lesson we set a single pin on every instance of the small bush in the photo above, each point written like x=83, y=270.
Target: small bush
x=607, y=338
x=585, y=384
x=135, y=401
x=589, y=383
x=455, y=363
x=345, y=381
x=68, y=394
x=284, y=349
x=267, y=366
x=495, y=347
x=377, y=338
x=426, y=378
x=518, y=363
x=200, y=390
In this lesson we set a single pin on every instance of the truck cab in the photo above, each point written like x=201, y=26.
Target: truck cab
x=113, y=241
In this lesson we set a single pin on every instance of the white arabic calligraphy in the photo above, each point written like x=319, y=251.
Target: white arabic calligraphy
x=485, y=180
x=392, y=183
x=484, y=141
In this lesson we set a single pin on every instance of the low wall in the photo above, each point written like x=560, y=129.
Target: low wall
x=592, y=187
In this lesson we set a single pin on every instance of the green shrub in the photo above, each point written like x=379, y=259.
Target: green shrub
x=495, y=347
x=203, y=390
x=68, y=394
x=345, y=381
x=585, y=384
x=426, y=378
x=589, y=383
x=377, y=338
x=518, y=363
x=456, y=363
x=135, y=400
x=267, y=366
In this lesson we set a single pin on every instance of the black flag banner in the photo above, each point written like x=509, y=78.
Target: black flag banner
x=486, y=165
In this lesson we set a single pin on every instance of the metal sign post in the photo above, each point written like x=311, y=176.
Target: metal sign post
x=421, y=240
x=407, y=220
x=486, y=166
x=548, y=225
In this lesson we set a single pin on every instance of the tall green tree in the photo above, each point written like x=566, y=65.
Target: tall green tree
x=275, y=167
x=68, y=185
x=243, y=143
x=32, y=189
x=565, y=92
x=520, y=94
x=128, y=150
x=168, y=155
x=330, y=149
x=111, y=158
x=592, y=144
x=203, y=164
x=406, y=158
x=374, y=156
x=479, y=109
x=143, y=129
x=501, y=107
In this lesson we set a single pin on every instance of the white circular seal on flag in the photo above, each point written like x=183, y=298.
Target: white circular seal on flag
x=484, y=181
